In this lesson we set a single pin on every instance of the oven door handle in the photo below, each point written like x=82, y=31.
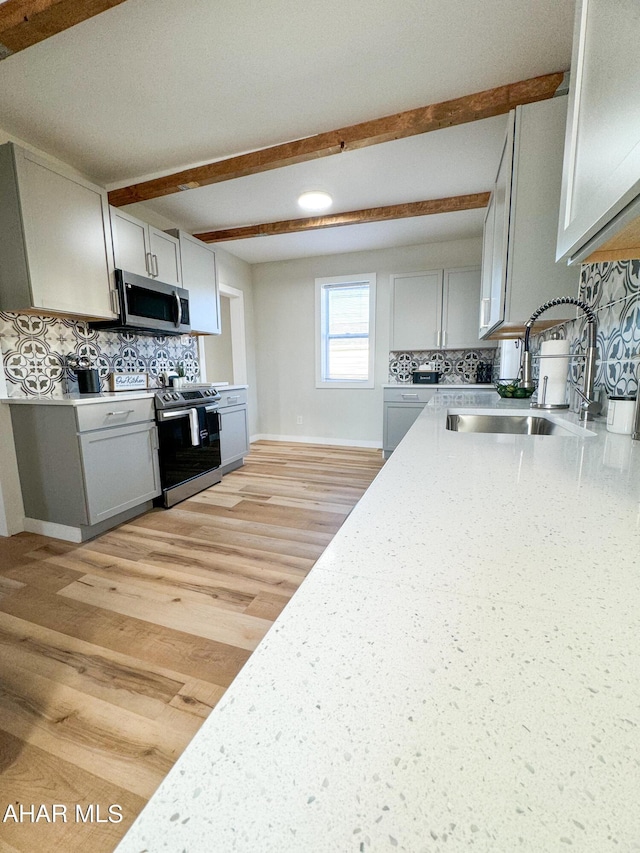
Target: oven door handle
x=192, y=414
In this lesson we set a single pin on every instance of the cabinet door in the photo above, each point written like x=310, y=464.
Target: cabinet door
x=67, y=239
x=165, y=253
x=398, y=418
x=234, y=435
x=130, y=243
x=501, y=198
x=601, y=172
x=460, y=305
x=416, y=312
x=487, y=265
x=120, y=469
x=199, y=276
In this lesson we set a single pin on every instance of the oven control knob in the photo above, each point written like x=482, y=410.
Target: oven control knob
x=166, y=396
x=208, y=393
x=175, y=396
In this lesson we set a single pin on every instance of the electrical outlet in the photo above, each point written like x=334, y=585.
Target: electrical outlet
x=299, y=419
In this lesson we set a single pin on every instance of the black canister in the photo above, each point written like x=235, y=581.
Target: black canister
x=484, y=373
x=88, y=380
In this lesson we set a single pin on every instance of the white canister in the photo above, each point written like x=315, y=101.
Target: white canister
x=620, y=414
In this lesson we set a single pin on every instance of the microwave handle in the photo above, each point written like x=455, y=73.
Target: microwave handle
x=179, y=308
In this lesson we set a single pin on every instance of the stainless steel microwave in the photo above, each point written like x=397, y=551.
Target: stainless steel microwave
x=148, y=305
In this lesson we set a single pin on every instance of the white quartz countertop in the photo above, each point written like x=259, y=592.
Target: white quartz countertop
x=459, y=671
x=76, y=399
x=80, y=399
x=442, y=386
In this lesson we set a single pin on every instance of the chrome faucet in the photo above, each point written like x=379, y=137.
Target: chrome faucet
x=589, y=406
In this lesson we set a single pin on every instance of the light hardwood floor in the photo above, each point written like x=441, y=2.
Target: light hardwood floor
x=112, y=653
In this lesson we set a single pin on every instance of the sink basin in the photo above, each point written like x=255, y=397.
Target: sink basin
x=521, y=424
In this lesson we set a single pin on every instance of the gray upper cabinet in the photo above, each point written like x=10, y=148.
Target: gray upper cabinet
x=436, y=309
x=142, y=249
x=200, y=277
x=495, y=237
x=519, y=269
x=601, y=174
x=460, y=297
x=416, y=311
x=55, y=239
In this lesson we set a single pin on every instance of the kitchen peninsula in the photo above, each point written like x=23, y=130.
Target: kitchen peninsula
x=458, y=671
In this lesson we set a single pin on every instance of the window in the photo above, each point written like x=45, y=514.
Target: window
x=345, y=322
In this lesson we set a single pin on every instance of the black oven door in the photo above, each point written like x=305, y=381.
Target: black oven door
x=189, y=444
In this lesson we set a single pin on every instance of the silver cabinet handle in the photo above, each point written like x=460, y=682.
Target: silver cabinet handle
x=233, y=399
x=486, y=300
x=149, y=263
x=444, y=338
x=179, y=308
x=123, y=412
x=409, y=396
x=438, y=338
x=114, y=296
x=155, y=265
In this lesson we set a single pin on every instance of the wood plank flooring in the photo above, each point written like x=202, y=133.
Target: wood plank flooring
x=112, y=653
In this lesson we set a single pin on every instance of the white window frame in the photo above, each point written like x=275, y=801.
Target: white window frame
x=364, y=278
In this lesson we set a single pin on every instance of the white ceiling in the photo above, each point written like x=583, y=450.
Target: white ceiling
x=154, y=86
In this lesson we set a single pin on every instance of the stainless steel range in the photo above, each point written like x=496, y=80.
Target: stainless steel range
x=188, y=440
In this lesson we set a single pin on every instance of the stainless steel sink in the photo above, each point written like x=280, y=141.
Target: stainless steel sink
x=523, y=424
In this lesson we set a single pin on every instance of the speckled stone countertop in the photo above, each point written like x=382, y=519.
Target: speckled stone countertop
x=76, y=399
x=458, y=672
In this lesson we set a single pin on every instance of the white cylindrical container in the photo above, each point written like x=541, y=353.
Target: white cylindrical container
x=556, y=371
x=620, y=414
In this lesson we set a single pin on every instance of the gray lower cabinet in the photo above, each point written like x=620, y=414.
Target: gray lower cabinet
x=86, y=467
x=234, y=428
x=401, y=408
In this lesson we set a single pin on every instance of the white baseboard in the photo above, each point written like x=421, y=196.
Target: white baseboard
x=311, y=439
x=56, y=531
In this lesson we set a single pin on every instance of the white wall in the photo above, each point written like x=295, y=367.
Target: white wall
x=219, y=356
x=285, y=340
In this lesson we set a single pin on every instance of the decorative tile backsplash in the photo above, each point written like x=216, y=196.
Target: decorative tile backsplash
x=34, y=352
x=612, y=289
x=455, y=366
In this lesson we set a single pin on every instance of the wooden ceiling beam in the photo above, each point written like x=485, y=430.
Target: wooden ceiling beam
x=491, y=102
x=24, y=23
x=354, y=217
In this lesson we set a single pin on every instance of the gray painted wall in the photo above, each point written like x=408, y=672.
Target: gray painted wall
x=284, y=294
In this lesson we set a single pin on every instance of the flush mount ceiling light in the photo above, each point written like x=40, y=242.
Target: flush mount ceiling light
x=316, y=200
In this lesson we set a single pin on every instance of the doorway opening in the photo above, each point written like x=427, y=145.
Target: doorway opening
x=223, y=357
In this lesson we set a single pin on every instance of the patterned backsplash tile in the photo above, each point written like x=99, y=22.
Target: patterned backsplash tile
x=35, y=349
x=612, y=289
x=455, y=366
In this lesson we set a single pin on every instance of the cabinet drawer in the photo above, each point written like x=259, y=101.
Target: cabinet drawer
x=237, y=397
x=114, y=413
x=410, y=394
